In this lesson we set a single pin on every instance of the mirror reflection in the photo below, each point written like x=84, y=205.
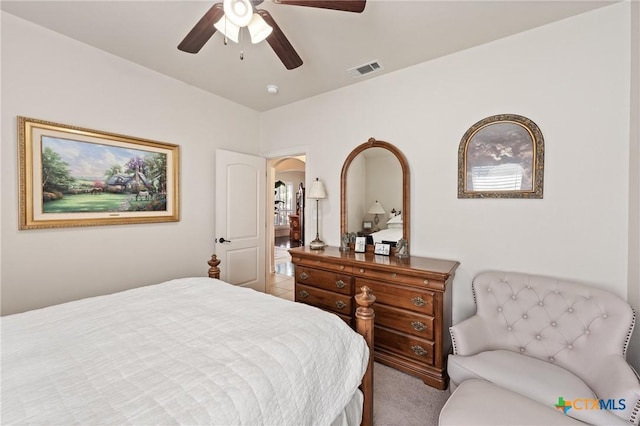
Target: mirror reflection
x=375, y=193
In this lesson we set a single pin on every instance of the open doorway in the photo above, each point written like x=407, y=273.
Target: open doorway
x=287, y=178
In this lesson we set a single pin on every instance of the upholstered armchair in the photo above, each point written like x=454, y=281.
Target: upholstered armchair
x=552, y=341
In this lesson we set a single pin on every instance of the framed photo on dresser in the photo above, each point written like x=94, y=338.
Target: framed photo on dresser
x=360, y=245
x=382, y=248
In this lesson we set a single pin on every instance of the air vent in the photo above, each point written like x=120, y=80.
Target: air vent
x=364, y=69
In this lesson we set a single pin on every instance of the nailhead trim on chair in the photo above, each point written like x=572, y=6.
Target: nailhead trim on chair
x=628, y=339
x=453, y=342
x=634, y=415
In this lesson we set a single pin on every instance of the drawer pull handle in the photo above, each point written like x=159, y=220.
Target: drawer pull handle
x=418, y=326
x=342, y=267
x=394, y=275
x=304, y=294
x=419, y=350
x=340, y=284
x=426, y=281
x=304, y=276
x=340, y=304
x=418, y=301
x=361, y=271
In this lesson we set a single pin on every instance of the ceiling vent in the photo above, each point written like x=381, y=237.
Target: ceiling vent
x=364, y=69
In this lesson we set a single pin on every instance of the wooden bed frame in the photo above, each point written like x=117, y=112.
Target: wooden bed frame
x=364, y=325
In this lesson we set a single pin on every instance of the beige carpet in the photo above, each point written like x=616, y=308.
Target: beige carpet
x=403, y=400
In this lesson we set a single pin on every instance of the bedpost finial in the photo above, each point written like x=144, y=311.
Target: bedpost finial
x=372, y=140
x=365, y=299
x=214, y=271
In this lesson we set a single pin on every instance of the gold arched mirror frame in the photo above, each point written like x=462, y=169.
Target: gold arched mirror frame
x=404, y=165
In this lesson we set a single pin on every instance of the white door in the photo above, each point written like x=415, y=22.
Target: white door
x=240, y=222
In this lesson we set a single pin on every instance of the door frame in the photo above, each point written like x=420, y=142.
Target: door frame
x=274, y=157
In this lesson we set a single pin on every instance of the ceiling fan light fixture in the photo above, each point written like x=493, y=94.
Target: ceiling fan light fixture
x=239, y=12
x=259, y=29
x=227, y=28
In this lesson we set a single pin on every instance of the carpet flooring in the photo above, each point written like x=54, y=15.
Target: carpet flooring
x=403, y=400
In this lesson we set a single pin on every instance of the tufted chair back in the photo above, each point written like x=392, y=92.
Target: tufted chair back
x=570, y=324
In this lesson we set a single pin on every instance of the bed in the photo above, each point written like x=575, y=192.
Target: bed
x=186, y=351
x=392, y=233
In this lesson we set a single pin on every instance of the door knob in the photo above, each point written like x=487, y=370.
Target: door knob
x=222, y=240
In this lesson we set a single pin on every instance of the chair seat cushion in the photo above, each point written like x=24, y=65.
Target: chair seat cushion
x=541, y=381
x=480, y=403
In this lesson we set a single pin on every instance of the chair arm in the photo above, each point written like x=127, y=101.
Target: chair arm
x=470, y=336
x=617, y=380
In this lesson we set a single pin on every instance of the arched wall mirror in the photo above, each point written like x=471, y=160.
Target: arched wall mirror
x=375, y=178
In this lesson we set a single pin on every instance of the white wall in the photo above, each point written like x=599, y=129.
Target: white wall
x=50, y=77
x=634, y=181
x=570, y=77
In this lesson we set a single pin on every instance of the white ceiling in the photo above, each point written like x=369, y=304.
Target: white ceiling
x=397, y=33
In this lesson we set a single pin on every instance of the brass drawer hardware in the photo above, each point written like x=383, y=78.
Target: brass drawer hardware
x=418, y=301
x=419, y=350
x=418, y=326
x=340, y=284
x=340, y=304
x=394, y=275
x=304, y=276
x=304, y=294
x=342, y=267
x=361, y=271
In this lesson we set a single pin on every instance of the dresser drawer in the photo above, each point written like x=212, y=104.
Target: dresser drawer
x=329, y=300
x=393, y=276
x=322, y=263
x=327, y=280
x=405, y=321
x=411, y=347
x=416, y=299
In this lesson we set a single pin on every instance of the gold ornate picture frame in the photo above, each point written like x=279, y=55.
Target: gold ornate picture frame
x=501, y=156
x=72, y=176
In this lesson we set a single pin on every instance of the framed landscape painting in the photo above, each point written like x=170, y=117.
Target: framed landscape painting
x=72, y=176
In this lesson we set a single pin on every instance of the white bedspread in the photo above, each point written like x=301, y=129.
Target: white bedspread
x=190, y=351
x=387, y=235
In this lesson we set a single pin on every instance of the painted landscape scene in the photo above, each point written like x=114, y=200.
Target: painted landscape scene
x=83, y=177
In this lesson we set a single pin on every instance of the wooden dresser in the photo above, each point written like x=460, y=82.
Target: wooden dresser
x=413, y=303
x=294, y=230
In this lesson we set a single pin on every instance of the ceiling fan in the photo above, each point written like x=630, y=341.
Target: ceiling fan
x=216, y=19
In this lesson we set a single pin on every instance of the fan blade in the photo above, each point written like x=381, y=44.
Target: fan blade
x=280, y=44
x=202, y=31
x=356, y=6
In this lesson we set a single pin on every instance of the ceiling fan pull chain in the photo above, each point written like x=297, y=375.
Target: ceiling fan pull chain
x=241, y=45
x=226, y=39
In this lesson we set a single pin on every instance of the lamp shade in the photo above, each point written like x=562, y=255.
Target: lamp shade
x=258, y=29
x=239, y=12
x=228, y=28
x=317, y=191
x=376, y=208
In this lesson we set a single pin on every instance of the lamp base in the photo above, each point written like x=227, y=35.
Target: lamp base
x=317, y=244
